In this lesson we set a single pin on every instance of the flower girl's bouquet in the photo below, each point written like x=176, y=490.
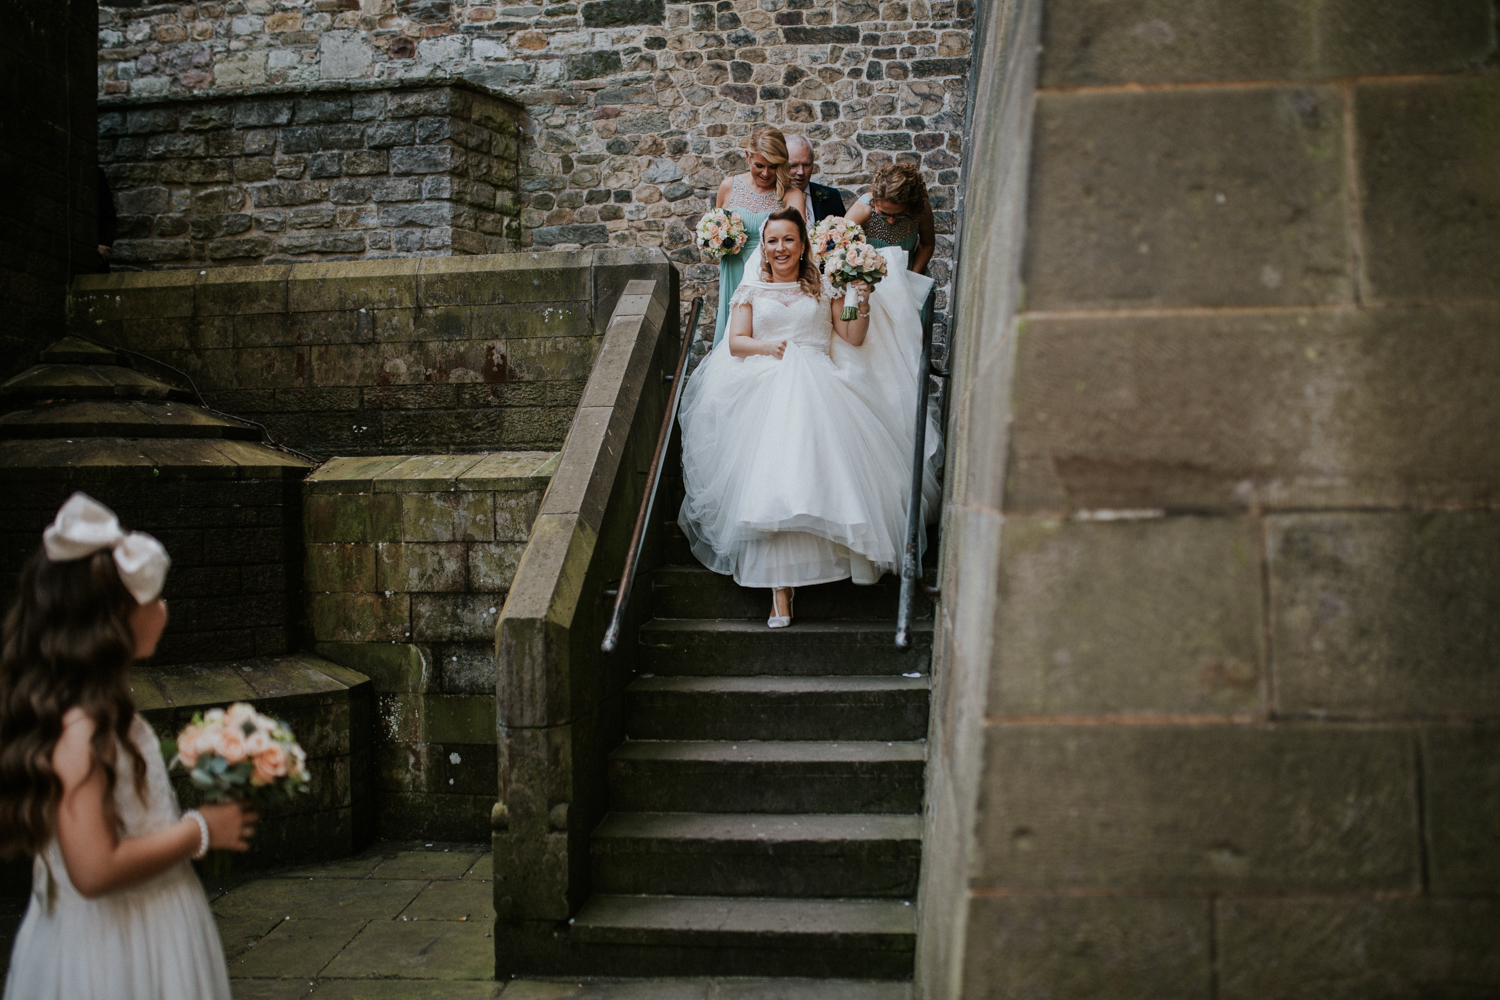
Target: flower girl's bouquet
x=721, y=232
x=856, y=261
x=238, y=754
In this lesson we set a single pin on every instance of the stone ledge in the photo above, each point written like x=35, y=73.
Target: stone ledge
x=226, y=95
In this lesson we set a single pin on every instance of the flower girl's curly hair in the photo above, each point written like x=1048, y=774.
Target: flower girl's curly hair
x=808, y=275
x=66, y=641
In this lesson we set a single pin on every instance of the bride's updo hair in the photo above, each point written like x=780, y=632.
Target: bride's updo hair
x=771, y=145
x=808, y=275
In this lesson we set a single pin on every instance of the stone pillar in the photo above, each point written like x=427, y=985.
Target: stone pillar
x=1227, y=591
x=341, y=172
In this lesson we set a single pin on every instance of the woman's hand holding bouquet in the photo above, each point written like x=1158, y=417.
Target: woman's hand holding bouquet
x=852, y=262
x=721, y=232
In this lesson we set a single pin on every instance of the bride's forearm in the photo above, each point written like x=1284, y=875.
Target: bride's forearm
x=741, y=346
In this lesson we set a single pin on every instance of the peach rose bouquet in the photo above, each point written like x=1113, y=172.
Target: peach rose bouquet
x=237, y=754
x=721, y=232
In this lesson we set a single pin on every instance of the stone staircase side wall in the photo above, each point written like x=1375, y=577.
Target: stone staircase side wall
x=560, y=697
x=1218, y=626
x=328, y=171
x=409, y=559
x=379, y=357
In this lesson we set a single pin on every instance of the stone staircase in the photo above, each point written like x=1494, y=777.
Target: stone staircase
x=766, y=807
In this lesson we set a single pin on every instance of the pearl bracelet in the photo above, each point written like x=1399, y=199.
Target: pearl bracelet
x=197, y=817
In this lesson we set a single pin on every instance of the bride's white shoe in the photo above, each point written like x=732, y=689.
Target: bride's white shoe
x=781, y=621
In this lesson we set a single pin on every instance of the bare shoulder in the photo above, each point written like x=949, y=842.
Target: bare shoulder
x=725, y=187
x=859, y=213
x=73, y=757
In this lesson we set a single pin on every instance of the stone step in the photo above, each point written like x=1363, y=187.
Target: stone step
x=690, y=591
x=755, y=854
x=777, y=708
x=767, y=777
x=699, y=647
x=695, y=935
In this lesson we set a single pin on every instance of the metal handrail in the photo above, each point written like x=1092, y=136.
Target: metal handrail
x=911, y=560
x=621, y=593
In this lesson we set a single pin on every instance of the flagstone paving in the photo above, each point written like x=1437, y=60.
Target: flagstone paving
x=413, y=921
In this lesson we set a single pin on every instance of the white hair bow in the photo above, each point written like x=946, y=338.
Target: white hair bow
x=84, y=526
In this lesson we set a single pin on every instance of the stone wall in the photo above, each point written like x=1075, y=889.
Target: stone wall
x=637, y=108
x=315, y=173
x=1223, y=596
x=409, y=559
x=462, y=354
x=47, y=165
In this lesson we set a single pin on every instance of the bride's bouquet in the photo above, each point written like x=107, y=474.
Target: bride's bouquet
x=238, y=754
x=721, y=232
x=833, y=233
x=855, y=261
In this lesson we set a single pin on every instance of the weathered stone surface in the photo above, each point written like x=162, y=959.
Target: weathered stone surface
x=1461, y=786
x=1174, y=210
x=1195, y=808
x=1386, y=615
x=1431, y=219
x=1370, y=408
x=1111, y=946
x=1300, y=948
x=1149, y=41
x=338, y=168
x=1133, y=617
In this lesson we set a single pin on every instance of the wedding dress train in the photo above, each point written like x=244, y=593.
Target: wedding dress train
x=797, y=470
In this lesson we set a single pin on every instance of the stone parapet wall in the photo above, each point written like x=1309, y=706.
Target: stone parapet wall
x=311, y=173
x=409, y=560
x=1217, y=643
x=464, y=354
x=636, y=109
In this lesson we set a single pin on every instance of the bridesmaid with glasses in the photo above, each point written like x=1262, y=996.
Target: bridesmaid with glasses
x=895, y=212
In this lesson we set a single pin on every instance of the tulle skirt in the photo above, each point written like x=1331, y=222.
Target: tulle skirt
x=156, y=941
x=791, y=479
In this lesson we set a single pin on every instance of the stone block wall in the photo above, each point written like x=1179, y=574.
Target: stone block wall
x=234, y=538
x=48, y=228
x=312, y=173
x=462, y=354
x=1217, y=642
x=409, y=560
x=636, y=108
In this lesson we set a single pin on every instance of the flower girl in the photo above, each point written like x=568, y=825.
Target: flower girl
x=116, y=911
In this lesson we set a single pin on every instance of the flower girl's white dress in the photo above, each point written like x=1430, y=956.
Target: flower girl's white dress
x=154, y=941
x=797, y=471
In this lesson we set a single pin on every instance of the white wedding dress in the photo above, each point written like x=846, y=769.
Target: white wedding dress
x=153, y=941
x=797, y=471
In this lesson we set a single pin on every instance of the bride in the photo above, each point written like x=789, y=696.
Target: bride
x=797, y=427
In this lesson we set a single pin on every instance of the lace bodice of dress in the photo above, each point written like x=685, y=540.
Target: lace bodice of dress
x=783, y=311
x=746, y=198
x=159, y=810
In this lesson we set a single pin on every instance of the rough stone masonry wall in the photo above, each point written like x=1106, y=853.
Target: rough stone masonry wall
x=409, y=559
x=637, y=108
x=1227, y=597
x=315, y=174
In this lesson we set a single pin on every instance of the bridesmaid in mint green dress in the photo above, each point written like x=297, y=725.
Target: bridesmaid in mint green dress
x=755, y=194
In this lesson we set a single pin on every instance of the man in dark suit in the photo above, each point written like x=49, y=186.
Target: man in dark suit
x=822, y=201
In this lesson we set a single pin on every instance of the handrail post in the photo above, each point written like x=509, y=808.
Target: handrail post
x=911, y=559
x=653, y=479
